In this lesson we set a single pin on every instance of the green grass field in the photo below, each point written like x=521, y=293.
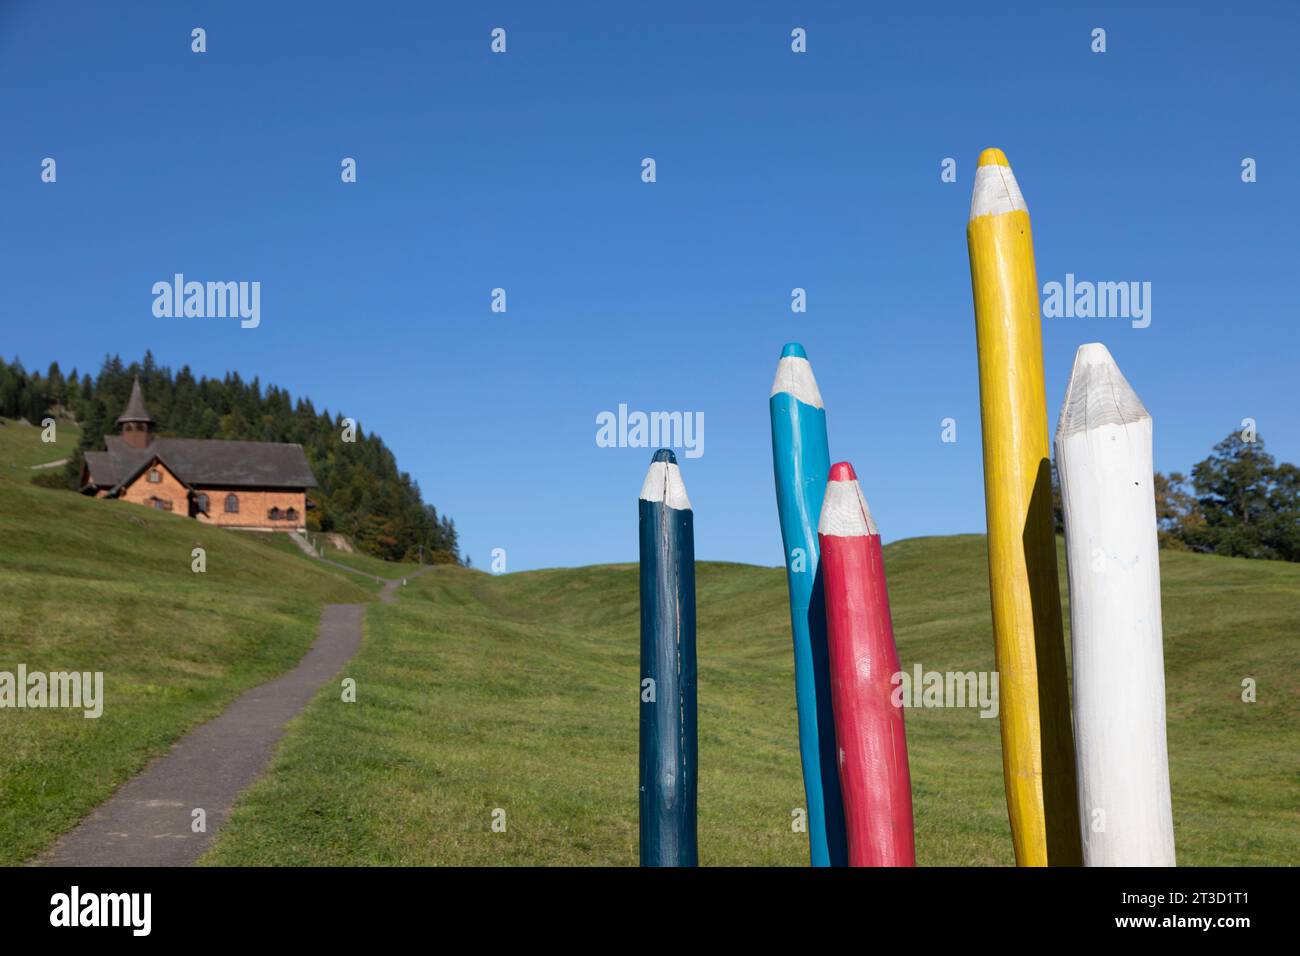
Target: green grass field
x=362, y=562
x=21, y=447
x=107, y=586
x=366, y=565
x=368, y=579
x=519, y=693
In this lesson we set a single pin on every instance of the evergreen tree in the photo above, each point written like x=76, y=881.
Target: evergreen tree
x=360, y=490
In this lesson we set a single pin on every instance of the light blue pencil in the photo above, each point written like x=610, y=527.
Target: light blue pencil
x=801, y=461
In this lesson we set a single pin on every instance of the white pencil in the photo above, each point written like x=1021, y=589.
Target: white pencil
x=1103, y=457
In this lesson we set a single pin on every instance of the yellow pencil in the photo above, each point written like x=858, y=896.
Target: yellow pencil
x=1037, y=742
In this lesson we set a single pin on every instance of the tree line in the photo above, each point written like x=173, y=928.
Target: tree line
x=361, y=492
x=1239, y=502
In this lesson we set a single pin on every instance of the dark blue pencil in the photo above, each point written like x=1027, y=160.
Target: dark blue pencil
x=668, y=709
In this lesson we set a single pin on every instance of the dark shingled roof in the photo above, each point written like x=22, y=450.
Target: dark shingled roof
x=198, y=461
x=99, y=465
x=135, y=410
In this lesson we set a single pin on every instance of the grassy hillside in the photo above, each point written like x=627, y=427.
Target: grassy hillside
x=362, y=562
x=520, y=693
x=367, y=579
x=107, y=586
x=21, y=447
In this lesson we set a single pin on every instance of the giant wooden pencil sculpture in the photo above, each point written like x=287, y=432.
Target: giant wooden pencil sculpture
x=668, y=736
x=873, y=769
x=1037, y=744
x=1103, y=457
x=801, y=460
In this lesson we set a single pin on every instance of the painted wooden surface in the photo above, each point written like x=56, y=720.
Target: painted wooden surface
x=1037, y=742
x=1104, y=460
x=800, y=460
x=872, y=743
x=668, y=763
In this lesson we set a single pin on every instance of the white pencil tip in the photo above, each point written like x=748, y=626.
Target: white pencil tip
x=996, y=190
x=844, y=510
x=663, y=483
x=1093, y=353
x=794, y=376
x=1098, y=394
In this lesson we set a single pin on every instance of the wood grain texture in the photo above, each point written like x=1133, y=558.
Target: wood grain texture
x=1037, y=742
x=800, y=461
x=1104, y=459
x=872, y=742
x=668, y=736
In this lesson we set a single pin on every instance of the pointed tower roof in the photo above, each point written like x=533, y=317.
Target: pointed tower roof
x=135, y=410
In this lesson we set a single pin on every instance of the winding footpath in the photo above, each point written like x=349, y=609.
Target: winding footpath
x=148, y=821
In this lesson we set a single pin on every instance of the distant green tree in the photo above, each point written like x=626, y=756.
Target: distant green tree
x=11, y=381
x=1177, y=511
x=1250, y=505
x=56, y=386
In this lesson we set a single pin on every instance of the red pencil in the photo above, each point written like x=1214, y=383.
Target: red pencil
x=872, y=747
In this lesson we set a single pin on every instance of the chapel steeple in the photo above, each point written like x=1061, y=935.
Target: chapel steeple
x=135, y=422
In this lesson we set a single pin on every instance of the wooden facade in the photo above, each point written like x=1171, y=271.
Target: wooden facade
x=255, y=486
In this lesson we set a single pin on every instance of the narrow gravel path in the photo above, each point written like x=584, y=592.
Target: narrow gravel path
x=148, y=821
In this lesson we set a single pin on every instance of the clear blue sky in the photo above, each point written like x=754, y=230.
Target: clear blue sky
x=775, y=170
